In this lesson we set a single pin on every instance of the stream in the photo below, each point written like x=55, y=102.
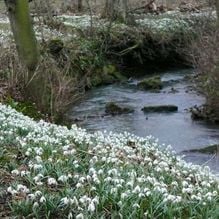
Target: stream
x=176, y=129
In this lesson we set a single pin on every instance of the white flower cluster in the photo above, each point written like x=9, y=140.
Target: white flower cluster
x=77, y=21
x=165, y=24
x=92, y=174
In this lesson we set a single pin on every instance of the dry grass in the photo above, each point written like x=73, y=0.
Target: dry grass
x=205, y=56
x=51, y=97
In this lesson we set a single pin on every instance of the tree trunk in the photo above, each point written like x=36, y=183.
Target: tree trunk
x=217, y=10
x=21, y=25
x=108, y=9
x=26, y=43
x=80, y=6
x=116, y=10
x=124, y=9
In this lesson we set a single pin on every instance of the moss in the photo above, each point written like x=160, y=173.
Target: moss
x=107, y=75
x=110, y=71
x=55, y=46
x=95, y=80
x=152, y=83
x=27, y=108
x=160, y=108
x=113, y=109
x=99, y=79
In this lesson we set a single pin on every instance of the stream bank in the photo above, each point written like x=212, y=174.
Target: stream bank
x=174, y=128
x=85, y=52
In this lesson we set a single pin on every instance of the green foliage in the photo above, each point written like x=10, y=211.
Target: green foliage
x=55, y=46
x=90, y=55
x=27, y=108
x=152, y=83
x=112, y=108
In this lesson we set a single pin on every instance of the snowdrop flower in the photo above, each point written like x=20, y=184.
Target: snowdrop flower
x=24, y=173
x=136, y=205
x=79, y=185
x=65, y=153
x=37, y=166
x=15, y=172
x=27, y=153
x=12, y=191
x=39, y=183
x=74, y=201
x=113, y=190
x=52, y=182
x=93, y=188
x=22, y=188
x=124, y=196
x=95, y=200
x=215, y=193
x=38, y=193
x=80, y=216
x=63, y=178
x=42, y=199
x=185, y=184
x=91, y=207
x=39, y=151
x=100, y=172
x=83, y=200
x=31, y=196
x=35, y=205
x=174, y=183
x=108, y=179
x=126, y=173
x=82, y=179
x=38, y=159
x=70, y=215
x=65, y=201
x=66, y=147
x=137, y=189
x=69, y=175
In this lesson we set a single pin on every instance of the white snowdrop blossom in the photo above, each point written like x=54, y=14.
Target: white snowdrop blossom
x=63, y=178
x=52, y=182
x=79, y=216
x=35, y=205
x=22, y=188
x=85, y=175
x=65, y=201
x=15, y=172
x=42, y=199
x=12, y=191
x=91, y=207
x=70, y=215
x=31, y=196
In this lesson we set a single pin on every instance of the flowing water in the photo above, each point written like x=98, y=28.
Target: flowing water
x=176, y=129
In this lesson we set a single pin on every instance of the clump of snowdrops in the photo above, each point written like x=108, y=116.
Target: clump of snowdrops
x=58, y=172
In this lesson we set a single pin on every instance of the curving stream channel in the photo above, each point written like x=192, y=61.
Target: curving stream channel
x=176, y=129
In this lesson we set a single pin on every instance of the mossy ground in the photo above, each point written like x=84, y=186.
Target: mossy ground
x=151, y=83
